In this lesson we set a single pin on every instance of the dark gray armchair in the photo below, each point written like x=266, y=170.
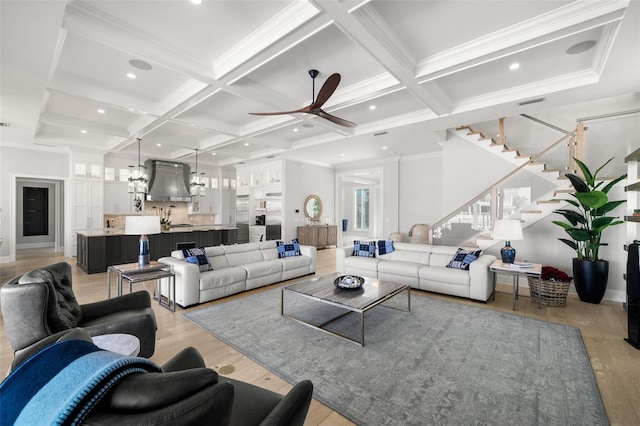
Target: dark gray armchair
x=186, y=392
x=41, y=303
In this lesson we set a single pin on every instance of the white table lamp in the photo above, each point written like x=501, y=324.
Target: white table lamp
x=142, y=225
x=508, y=230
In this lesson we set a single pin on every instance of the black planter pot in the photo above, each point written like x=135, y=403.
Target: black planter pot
x=590, y=279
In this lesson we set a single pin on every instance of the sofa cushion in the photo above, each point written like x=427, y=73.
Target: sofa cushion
x=295, y=262
x=410, y=252
x=406, y=269
x=364, y=248
x=463, y=258
x=444, y=275
x=222, y=277
x=262, y=269
x=197, y=256
x=64, y=314
x=362, y=263
x=243, y=254
x=385, y=247
x=288, y=248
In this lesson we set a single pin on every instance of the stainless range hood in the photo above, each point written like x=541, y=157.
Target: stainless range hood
x=168, y=181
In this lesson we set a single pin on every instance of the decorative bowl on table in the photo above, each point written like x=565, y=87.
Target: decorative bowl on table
x=348, y=282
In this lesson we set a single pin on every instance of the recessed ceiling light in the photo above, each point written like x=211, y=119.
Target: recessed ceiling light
x=131, y=75
x=583, y=46
x=83, y=131
x=246, y=144
x=101, y=111
x=213, y=153
x=384, y=147
x=158, y=144
x=514, y=66
x=196, y=1
x=341, y=155
x=372, y=107
x=295, y=129
x=141, y=65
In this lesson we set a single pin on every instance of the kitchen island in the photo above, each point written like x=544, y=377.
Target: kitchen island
x=98, y=249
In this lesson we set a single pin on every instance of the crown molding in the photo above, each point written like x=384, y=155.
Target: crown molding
x=566, y=20
x=286, y=21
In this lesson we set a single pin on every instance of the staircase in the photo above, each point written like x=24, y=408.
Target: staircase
x=543, y=205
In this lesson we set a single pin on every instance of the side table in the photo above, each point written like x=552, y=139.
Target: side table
x=134, y=273
x=532, y=269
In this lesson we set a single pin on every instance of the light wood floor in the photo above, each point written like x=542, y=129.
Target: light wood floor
x=616, y=364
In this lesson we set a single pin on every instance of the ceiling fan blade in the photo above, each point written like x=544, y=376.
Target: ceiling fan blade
x=337, y=120
x=326, y=91
x=305, y=109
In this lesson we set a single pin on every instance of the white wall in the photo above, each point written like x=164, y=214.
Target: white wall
x=15, y=162
x=420, y=190
x=302, y=180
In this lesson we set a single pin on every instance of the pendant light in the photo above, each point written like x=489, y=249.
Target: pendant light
x=197, y=181
x=138, y=176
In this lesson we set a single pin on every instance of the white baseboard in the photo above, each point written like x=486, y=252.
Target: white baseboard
x=35, y=245
x=7, y=259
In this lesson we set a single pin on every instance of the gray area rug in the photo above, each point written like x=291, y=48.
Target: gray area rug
x=442, y=363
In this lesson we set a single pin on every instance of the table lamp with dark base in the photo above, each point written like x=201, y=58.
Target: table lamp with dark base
x=507, y=230
x=142, y=225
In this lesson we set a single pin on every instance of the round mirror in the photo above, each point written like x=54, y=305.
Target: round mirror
x=313, y=207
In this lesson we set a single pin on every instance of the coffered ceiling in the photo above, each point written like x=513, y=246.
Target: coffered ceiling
x=424, y=66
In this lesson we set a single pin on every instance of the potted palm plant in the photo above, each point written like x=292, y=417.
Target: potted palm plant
x=585, y=226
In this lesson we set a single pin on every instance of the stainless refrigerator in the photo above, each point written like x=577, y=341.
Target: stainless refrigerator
x=274, y=216
x=242, y=218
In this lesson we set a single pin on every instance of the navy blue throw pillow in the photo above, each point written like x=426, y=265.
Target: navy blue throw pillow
x=463, y=258
x=364, y=248
x=288, y=248
x=198, y=257
x=385, y=246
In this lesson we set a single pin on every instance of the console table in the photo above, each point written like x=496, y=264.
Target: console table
x=318, y=235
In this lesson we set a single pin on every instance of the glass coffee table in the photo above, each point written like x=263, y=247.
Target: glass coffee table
x=322, y=290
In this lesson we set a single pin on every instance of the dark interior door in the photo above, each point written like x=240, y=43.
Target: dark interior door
x=35, y=211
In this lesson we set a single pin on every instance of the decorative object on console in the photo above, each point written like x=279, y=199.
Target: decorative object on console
x=288, y=248
x=313, y=208
x=385, y=246
x=364, y=248
x=421, y=234
x=463, y=258
x=508, y=230
x=396, y=236
x=552, y=287
x=143, y=226
x=197, y=256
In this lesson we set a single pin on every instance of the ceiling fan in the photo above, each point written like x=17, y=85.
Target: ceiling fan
x=315, y=107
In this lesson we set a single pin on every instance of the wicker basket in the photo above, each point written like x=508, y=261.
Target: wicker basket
x=552, y=293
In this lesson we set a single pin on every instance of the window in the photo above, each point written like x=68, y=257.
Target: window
x=109, y=174
x=362, y=208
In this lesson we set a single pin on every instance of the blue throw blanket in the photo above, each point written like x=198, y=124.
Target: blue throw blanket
x=63, y=382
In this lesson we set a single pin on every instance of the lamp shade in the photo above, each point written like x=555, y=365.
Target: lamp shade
x=142, y=225
x=509, y=230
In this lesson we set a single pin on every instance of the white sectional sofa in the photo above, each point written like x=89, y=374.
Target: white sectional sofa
x=422, y=267
x=236, y=268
